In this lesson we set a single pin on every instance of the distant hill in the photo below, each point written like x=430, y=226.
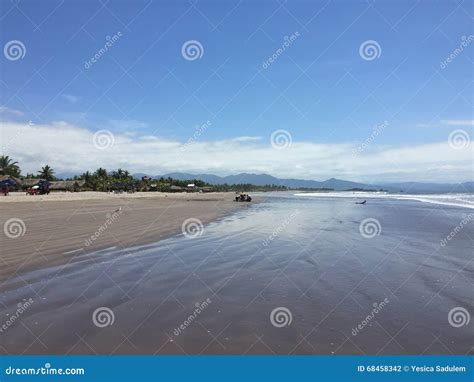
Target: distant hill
x=336, y=184
x=265, y=179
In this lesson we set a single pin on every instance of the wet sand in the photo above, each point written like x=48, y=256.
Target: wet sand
x=288, y=275
x=52, y=228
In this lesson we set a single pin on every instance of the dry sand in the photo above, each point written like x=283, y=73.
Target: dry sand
x=51, y=226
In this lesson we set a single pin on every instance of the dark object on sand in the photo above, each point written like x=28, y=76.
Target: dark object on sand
x=6, y=184
x=120, y=188
x=41, y=188
x=243, y=198
x=365, y=201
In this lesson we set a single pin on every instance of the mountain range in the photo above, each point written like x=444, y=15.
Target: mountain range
x=333, y=183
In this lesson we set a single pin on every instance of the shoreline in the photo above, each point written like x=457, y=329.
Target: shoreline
x=49, y=230
x=247, y=279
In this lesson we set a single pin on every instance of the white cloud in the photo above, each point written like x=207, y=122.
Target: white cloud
x=247, y=139
x=70, y=148
x=458, y=122
x=7, y=110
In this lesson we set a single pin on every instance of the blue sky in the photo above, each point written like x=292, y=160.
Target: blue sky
x=319, y=88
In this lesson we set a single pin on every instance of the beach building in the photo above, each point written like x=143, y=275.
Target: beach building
x=7, y=183
x=29, y=182
x=176, y=189
x=66, y=185
x=9, y=180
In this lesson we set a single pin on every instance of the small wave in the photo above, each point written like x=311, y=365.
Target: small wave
x=455, y=200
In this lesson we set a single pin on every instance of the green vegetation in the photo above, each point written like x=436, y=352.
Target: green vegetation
x=103, y=180
x=9, y=167
x=46, y=173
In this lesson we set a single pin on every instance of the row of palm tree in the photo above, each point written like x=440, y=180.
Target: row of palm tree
x=101, y=180
x=10, y=167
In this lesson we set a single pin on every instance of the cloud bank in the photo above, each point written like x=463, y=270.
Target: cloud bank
x=68, y=148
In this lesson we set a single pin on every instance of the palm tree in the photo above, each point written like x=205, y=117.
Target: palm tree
x=118, y=174
x=8, y=167
x=46, y=173
x=88, y=179
x=101, y=180
x=101, y=173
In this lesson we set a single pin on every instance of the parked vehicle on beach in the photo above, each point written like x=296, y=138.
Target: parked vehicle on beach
x=42, y=188
x=243, y=198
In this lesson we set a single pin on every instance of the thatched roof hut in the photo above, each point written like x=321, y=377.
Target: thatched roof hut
x=176, y=188
x=29, y=182
x=66, y=185
x=9, y=181
x=6, y=177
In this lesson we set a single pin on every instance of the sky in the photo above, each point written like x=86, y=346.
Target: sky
x=378, y=91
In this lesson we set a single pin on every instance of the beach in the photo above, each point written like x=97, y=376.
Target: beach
x=52, y=228
x=237, y=190
x=288, y=275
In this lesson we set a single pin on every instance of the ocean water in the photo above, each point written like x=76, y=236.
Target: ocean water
x=460, y=200
x=294, y=274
